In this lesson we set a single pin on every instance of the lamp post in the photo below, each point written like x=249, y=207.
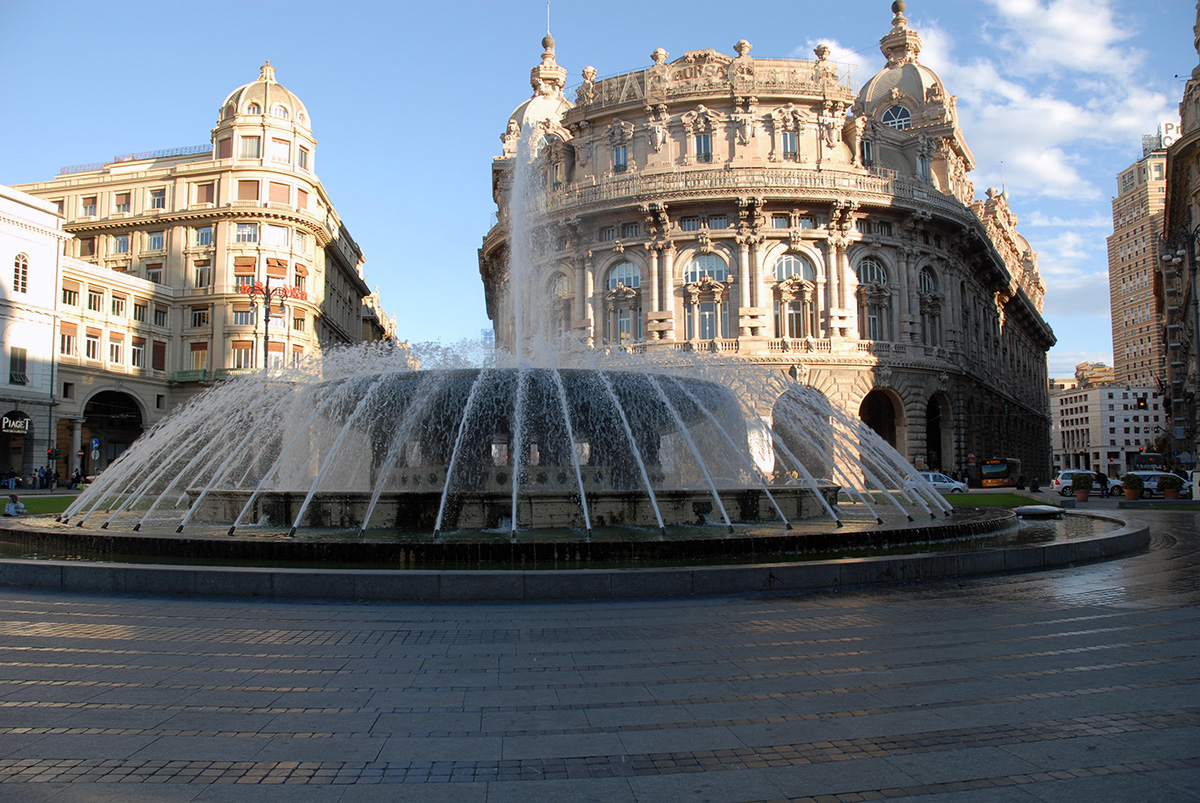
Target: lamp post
x=266, y=291
x=1179, y=249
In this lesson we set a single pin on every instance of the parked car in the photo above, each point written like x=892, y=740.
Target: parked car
x=1062, y=483
x=1150, y=487
x=941, y=482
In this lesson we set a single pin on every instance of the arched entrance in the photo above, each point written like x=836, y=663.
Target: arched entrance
x=115, y=420
x=939, y=440
x=882, y=412
x=801, y=440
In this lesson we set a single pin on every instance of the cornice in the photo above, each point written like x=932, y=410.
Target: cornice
x=214, y=214
x=27, y=226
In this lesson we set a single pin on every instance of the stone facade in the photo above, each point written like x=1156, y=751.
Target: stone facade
x=168, y=258
x=1103, y=428
x=759, y=207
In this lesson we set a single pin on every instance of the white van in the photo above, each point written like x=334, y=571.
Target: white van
x=1150, y=480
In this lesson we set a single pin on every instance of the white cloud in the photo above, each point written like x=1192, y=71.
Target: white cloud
x=1076, y=36
x=1080, y=296
x=1040, y=219
x=1062, y=362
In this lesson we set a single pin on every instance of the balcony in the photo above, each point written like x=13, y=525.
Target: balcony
x=190, y=376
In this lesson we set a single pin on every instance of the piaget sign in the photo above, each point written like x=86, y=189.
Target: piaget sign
x=15, y=422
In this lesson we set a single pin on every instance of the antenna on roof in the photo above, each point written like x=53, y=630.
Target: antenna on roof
x=547, y=16
x=1001, y=175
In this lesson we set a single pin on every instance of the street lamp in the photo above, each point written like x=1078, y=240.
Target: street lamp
x=266, y=291
x=1179, y=249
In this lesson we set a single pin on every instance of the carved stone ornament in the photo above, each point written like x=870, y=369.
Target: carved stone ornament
x=701, y=120
x=883, y=376
x=619, y=247
x=825, y=72
x=659, y=56
x=932, y=302
x=704, y=286
x=943, y=380
x=875, y=293
x=704, y=242
x=794, y=288
x=620, y=132
x=587, y=90
x=795, y=238
x=620, y=297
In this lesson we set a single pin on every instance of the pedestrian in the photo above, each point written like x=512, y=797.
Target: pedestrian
x=54, y=479
x=14, y=506
x=1034, y=487
x=1102, y=478
x=1021, y=482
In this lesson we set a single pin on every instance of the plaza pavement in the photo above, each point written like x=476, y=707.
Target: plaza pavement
x=1078, y=684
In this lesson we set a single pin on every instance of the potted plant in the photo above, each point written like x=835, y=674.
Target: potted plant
x=1081, y=484
x=1132, y=483
x=1170, y=485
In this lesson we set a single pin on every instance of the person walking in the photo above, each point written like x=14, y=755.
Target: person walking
x=1102, y=478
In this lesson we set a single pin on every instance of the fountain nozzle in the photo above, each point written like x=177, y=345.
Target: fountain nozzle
x=179, y=529
x=231, y=529
x=787, y=524
x=292, y=533
x=137, y=528
x=104, y=526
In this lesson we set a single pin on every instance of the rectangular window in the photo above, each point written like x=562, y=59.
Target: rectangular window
x=300, y=281
x=807, y=223
x=884, y=228
x=278, y=236
x=95, y=300
x=155, y=241
x=301, y=241
x=247, y=190
x=199, y=356
x=243, y=280
x=279, y=193
x=689, y=223
x=780, y=222
x=205, y=193
x=16, y=367
x=21, y=274
x=87, y=247
x=67, y=344
x=301, y=199
x=158, y=356
x=608, y=234
x=620, y=159
x=246, y=233
x=158, y=199
x=91, y=346
x=121, y=202
x=704, y=147
x=790, y=145
x=250, y=148
x=204, y=235
x=137, y=353
x=631, y=230
x=868, y=153
x=118, y=306
x=281, y=151
x=116, y=351
x=160, y=316
x=243, y=317
x=139, y=312
x=298, y=323
x=225, y=148
x=87, y=206
x=70, y=297
x=302, y=158
x=199, y=316
x=202, y=274
x=243, y=354
x=718, y=222
x=120, y=244
x=154, y=272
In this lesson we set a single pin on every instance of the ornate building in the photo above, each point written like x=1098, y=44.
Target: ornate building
x=170, y=257
x=759, y=207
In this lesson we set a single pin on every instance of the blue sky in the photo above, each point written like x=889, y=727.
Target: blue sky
x=408, y=100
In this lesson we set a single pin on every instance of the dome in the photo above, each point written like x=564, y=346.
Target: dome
x=538, y=109
x=912, y=79
x=269, y=97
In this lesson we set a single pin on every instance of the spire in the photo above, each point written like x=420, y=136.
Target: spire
x=267, y=73
x=901, y=45
x=548, y=78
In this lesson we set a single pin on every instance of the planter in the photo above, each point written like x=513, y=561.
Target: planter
x=1133, y=493
x=1170, y=493
x=1082, y=496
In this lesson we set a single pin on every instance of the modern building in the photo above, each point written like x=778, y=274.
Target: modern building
x=1139, y=353
x=171, y=259
x=1103, y=428
x=762, y=208
x=1177, y=292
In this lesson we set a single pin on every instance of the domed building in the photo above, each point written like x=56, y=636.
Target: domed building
x=760, y=207
x=171, y=258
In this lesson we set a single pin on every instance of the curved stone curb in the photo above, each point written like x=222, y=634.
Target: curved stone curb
x=516, y=585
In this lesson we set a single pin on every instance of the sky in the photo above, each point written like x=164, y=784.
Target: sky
x=408, y=101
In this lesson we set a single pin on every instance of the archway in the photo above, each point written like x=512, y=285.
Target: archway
x=882, y=413
x=115, y=420
x=939, y=440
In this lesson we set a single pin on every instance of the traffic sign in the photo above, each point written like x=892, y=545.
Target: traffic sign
x=79, y=453
x=95, y=443
x=95, y=454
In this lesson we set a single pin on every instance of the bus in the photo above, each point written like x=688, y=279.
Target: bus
x=1148, y=461
x=1000, y=472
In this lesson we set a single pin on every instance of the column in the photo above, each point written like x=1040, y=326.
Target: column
x=743, y=288
x=590, y=302
x=833, y=298
x=654, y=293
x=76, y=444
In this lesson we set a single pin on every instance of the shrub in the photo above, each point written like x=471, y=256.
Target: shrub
x=1133, y=482
x=1082, y=482
x=1169, y=482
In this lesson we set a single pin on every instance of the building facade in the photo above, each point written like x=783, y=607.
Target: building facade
x=1103, y=428
x=1139, y=353
x=1177, y=290
x=760, y=207
x=183, y=267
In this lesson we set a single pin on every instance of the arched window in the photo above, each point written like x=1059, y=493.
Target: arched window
x=623, y=323
x=253, y=108
x=898, y=117
x=931, y=308
x=708, y=303
x=790, y=265
x=301, y=118
x=560, y=295
x=229, y=111
x=874, y=300
x=706, y=265
x=625, y=273
x=21, y=274
x=280, y=111
x=795, y=297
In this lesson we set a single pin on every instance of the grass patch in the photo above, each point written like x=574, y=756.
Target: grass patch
x=45, y=504
x=992, y=500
